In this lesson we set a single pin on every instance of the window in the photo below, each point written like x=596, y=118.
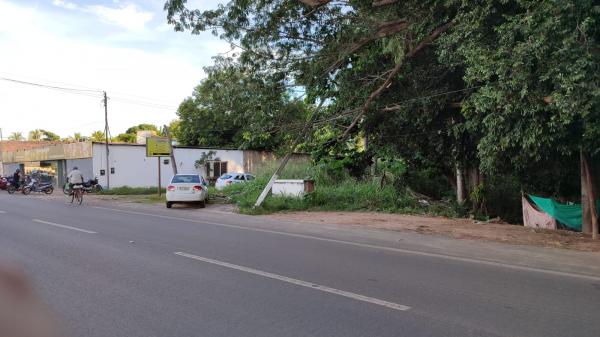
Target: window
x=215, y=168
x=225, y=176
x=188, y=178
x=249, y=177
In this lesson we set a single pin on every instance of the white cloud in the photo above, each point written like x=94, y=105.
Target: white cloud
x=42, y=46
x=127, y=16
x=65, y=4
x=124, y=15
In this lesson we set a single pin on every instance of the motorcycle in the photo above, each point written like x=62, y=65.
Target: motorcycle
x=36, y=186
x=89, y=186
x=11, y=188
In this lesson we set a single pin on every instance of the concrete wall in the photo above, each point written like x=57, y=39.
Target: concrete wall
x=85, y=166
x=133, y=168
x=49, y=152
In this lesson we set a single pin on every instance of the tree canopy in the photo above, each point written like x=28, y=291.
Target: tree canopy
x=506, y=88
x=237, y=107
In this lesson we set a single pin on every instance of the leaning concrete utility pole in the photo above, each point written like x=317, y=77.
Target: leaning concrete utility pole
x=287, y=157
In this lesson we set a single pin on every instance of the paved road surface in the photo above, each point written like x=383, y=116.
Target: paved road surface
x=115, y=272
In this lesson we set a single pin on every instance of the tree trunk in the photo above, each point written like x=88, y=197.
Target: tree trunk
x=586, y=223
x=460, y=186
x=590, y=191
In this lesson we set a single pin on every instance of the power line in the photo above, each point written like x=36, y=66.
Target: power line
x=73, y=90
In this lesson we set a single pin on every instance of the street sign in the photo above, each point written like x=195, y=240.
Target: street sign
x=157, y=147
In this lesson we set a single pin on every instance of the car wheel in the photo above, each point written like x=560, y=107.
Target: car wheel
x=169, y=204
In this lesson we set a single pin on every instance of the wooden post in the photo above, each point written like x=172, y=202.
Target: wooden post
x=173, y=162
x=159, y=187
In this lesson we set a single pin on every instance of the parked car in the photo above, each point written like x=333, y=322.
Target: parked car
x=232, y=178
x=187, y=188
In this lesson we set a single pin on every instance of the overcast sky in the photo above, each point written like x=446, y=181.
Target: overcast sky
x=123, y=47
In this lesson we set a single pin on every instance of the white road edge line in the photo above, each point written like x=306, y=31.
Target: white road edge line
x=297, y=282
x=366, y=245
x=2, y=212
x=64, y=226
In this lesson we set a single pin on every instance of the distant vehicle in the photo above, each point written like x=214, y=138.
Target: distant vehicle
x=89, y=186
x=36, y=186
x=187, y=188
x=233, y=178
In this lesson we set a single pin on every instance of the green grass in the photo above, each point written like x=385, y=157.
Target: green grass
x=126, y=190
x=331, y=194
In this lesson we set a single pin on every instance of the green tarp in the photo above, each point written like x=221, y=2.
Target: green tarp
x=568, y=215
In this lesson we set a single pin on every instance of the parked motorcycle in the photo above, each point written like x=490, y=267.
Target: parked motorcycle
x=36, y=186
x=89, y=186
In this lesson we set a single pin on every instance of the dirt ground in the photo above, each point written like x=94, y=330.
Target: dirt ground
x=454, y=228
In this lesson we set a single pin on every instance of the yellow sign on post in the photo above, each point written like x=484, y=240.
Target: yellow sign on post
x=157, y=147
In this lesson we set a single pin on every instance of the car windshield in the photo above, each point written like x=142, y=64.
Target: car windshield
x=225, y=176
x=186, y=179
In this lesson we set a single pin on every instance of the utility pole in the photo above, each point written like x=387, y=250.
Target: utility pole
x=287, y=157
x=106, y=139
x=173, y=163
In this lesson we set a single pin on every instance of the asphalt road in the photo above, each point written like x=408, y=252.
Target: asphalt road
x=112, y=272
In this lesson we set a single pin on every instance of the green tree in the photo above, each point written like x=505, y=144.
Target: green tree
x=49, y=136
x=240, y=108
x=98, y=136
x=35, y=135
x=538, y=66
x=16, y=136
x=130, y=135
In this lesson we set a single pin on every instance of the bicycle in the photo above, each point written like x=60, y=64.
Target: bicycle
x=77, y=194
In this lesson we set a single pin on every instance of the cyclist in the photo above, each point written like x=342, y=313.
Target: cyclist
x=74, y=178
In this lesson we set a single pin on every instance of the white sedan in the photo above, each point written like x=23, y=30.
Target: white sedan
x=232, y=178
x=187, y=188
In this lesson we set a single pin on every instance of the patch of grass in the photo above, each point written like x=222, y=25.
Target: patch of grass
x=126, y=190
x=331, y=194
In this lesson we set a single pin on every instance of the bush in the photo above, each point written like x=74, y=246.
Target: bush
x=334, y=190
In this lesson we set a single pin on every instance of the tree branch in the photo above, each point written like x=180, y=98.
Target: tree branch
x=384, y=30
x=381, y=3
x=375, y=94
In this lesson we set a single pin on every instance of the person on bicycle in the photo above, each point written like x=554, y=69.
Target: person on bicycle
x=74, y=178
x=17, y=177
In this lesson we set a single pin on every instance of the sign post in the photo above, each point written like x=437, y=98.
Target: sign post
x=157, y=147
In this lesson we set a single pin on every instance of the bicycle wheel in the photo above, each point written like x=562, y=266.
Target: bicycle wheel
x=79, y=196
x=73, y=196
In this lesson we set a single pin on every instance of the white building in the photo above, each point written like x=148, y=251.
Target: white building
x=128, y=164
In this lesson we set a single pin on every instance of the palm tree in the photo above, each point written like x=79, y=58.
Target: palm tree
x=98, y=136
x=35, y=135
x=16, y=136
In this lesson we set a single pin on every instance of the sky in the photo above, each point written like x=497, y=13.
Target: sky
x=125, y=48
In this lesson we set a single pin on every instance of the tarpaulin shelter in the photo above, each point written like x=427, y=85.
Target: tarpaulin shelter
x=568, y=215
x=536, y=218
